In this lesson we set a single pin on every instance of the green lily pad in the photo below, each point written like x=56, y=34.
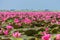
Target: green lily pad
x=19, y=39
x=12, y=38
x=10, y=20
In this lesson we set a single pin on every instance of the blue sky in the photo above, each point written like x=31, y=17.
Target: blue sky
x=30, y=4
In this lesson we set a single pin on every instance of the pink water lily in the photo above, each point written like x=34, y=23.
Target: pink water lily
x=53, y=21
x=19, y=24
x=16, y=34
x=9, y=27
x=47, y=17
x=27, y=21
x=46, y=37
x=58, y=37
x=46, y=29
x=4, y=19
x=16, y=20
x=58, y=22
x=6, y=32
x=1, y=31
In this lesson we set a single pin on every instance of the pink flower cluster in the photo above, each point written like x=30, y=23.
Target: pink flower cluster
x=28, y=17
x=48, y=37
x=6, y=32
x=12, y=20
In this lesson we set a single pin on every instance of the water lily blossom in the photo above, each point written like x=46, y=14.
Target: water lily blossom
x=16, y=34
